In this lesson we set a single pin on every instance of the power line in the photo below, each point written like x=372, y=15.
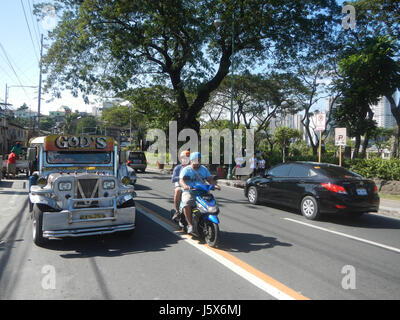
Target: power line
x=34, y=26
x=29, y=29
x=12, y=68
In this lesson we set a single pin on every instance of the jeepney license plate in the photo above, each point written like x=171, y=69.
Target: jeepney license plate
x=92, y=216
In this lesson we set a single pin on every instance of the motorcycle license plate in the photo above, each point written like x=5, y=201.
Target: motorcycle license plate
x=362, y=192
x=92, y=216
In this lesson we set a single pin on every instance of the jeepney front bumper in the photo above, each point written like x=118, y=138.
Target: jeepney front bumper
x=76, y=222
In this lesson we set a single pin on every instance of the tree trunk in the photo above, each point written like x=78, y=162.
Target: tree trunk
x=356, y=147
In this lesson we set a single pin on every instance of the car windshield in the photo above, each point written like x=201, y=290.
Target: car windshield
x=339, y=172
x=60, y=157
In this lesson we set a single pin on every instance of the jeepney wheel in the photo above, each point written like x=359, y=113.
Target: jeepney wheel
x=37, y=223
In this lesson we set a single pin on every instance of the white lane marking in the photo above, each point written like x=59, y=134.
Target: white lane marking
x=271, y=290
x=346, y=235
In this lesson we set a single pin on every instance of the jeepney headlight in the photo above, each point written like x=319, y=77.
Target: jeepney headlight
x=65, y=186
x=108, y=184
x=125, y=180
x=41, y=182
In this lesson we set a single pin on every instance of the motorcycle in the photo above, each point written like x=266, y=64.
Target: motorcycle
x=204, y=215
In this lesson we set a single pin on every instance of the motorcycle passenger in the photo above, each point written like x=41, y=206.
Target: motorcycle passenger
x=189, y=177
x=184, y=161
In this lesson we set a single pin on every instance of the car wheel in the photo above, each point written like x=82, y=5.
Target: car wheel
x=252, y=195
x=309, y=208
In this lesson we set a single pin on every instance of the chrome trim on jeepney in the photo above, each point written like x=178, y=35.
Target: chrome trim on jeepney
x=88, y=231
x=71, y=210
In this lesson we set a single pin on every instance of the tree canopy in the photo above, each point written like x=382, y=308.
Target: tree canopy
x=115, y=45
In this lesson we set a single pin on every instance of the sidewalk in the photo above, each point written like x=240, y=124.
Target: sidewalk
x=389, y=208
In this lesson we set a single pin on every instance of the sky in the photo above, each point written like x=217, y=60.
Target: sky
x=19, y=58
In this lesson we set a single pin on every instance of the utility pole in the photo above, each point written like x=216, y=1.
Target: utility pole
x=40, y=81
x=5, y=99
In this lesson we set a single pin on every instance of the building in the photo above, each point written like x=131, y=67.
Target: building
x=11, y=133
x=25, y=114
x=383, y=114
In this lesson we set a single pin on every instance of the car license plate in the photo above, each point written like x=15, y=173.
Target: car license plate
x=92, y=216
x=362, y=192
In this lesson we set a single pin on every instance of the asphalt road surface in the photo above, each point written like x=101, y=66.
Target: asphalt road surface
x=264, y=253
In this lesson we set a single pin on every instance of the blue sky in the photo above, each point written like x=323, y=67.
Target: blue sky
x=23, y=53
x=19, y=53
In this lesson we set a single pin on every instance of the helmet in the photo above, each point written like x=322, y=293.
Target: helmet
x=195, y=155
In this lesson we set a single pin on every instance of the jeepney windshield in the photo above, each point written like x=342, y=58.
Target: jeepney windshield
x=64, y=157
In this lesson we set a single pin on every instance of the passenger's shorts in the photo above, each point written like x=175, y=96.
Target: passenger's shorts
x=188, y=199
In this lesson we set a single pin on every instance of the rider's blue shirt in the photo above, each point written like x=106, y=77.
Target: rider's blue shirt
x=194, y=177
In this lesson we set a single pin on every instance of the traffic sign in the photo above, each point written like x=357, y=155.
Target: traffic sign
x=320, y=121
x=340, y=136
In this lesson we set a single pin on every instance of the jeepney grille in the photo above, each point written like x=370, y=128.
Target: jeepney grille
x=87, y=188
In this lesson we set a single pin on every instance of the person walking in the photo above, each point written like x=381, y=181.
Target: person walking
x=261, y=165
x=12, y=164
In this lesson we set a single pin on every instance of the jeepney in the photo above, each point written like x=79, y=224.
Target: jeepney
x=79, y=188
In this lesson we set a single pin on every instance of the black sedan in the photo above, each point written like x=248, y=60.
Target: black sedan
x=314, y=188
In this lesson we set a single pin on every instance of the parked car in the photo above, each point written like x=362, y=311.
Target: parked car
x=137, y=160
x=315, y=189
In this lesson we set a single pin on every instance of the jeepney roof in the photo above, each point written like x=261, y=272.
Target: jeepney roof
x=37, y=140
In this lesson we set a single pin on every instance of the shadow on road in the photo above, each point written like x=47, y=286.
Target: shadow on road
x=148, y=237
x=248, y=242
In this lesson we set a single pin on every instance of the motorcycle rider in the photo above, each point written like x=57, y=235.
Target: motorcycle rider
x=189, y=177
x=184, y=161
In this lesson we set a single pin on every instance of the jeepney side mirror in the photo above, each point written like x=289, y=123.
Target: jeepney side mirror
x=31, y=154
x=122, y=157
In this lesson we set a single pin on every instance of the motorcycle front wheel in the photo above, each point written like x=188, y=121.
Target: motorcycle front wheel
x=211, y=233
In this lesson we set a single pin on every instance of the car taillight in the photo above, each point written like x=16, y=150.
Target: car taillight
x=375, y=189
x=334, y=188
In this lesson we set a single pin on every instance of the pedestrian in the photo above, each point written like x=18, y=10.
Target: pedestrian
x=261, y=165
x=11, y=164
x=253, y=166
x=239, y=162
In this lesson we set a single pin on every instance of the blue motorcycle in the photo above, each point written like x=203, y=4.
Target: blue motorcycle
x=204, y=215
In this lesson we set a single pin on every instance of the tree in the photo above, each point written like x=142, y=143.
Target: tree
x=381, y=137
x=368, y=71
x=87, y=125
x=113, y=45
x=284, y=136
x=381, y=19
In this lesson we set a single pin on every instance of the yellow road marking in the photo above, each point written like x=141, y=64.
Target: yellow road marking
x=240, y=265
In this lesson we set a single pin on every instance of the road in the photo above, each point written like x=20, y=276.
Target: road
x=265, y=253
